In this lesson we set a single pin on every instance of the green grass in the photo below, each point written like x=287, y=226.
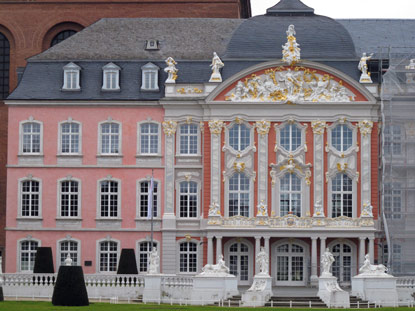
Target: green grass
x=47, y=306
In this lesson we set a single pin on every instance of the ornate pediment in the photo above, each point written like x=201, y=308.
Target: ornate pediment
x=290, y=84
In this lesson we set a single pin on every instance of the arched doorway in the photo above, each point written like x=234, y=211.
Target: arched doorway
x=345, y=264
x=239, y=258
x=290, y=263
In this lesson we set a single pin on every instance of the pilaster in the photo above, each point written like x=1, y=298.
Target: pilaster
x=318, y=148
x=365, y=134
x=215, y=127
x=262, y=128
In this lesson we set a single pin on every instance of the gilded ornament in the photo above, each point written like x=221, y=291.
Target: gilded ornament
x=342, y=167
x=171, y=70
x=318, y=127
x=263, y=127
x=216, y=126
x=239, y=167
x=365, y=127
x=169, y=127
x=202, y=126
x=290, y=50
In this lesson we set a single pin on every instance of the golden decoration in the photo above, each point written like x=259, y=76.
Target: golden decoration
x=365, y=127
x=318, y=127
x=263, y=127
x=239, y=167
x=216, y=126
x=342, y=167
x=188, y=90
x=169, y=127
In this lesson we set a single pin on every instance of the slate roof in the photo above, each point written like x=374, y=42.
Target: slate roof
x=289, y=7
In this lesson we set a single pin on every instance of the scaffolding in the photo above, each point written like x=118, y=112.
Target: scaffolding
x=398, y=160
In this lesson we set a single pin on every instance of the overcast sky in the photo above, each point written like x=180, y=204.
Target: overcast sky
x=350, y=8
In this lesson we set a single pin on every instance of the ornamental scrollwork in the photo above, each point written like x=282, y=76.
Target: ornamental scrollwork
x=318, y=127
x=216, y=126
x=365, y=127
x=262, y=127
x=169, y=127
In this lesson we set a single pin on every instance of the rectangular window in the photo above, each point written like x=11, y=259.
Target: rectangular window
x=144, y=255
x=188, y=257
x=108, y=256
x=342, y=196
x=144, y=189
x=69, y=198
x=109, y=198
x=30, y=198
x=70, y=138
x=393, y=140
x=27, y=255
x=69, y=248
x=110, y=138
x=149, y=138
x=188, y=199
x=393, y=200
x=188, y=139
x=31, y=137
x=150, y=80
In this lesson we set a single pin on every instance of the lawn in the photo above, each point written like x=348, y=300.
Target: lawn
x=47, y=306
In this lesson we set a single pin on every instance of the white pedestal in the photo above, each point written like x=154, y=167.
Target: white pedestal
x=259, y=293
x=215, y=77
x=365, y=78
x=213, y=288
x=331, y=294
x=379, y=289
x=152, y=288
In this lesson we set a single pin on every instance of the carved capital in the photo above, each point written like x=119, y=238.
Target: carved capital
x=365, y=127
x=216, y=126
x=262, y=127
x=318, y=127
x=169, y=127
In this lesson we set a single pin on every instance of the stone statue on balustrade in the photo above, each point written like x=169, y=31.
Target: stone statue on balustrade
x=153, y=262
x=318, y=209
x=216, y=65
x=219, y=269
x=367, y=210
x=68, y=260
x=326, y=261
x=171, y=70
x=374, y=270
x=263, y=262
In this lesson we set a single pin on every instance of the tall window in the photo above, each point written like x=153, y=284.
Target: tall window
x=27, y=255
x=188, y=257
x=342, y=196
x=71, y=77
x=149, y=77
x=239, y=195
x=290, y=263
x=342, y=137
x=144, y=188
x=109, y=195
x=62, y=36
x=342, y=266
x=110, y=138
x=143, y=255
x=188, y=199
x=111, y=77
x=290, y=137
x=71, y=248
x=239, y=261
x=69, y=198
x=397, y=258
x=393, y=200
x=239, y=137
x=188, y=139
x=149, y=138
x=290, y=195
x=30, y=191
x=70, y=134
x=31, y=137
x=4, y=66
x=393, y=140
x=108, y=256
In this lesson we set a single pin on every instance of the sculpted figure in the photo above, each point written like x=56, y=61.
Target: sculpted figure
x=216, y=65
x=68, y=261
x=171, y=70
x=262, y=260
x=367, y=209
x=153, y=262
x=214, y=209
x=326, y=262
x=368, y=268
x=363, y=63
x=219, y=269
x=318, y=209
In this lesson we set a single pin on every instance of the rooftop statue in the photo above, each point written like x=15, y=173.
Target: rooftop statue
x=216, y=65
x=171, y=70
x=290, y=50
x=365, y=76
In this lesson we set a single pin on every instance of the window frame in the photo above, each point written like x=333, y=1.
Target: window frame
x=291, y=192
x=100, y=137
x=353, y=193
x=139, y=138
x=20, y=197
x=98, y=255
x=59, y=198
x=138, y=252
x=19, y=252
x=352, y=148
x=250, y=193
x=198, y=256
x=59, y=252
x=188, y=135
x=73, y=69
x=280, y=128
x=60, y=140
x=111, y=69
x=138, y=199
x=150, y=68
x=109, y=179
x=21, y=138
x=239, y=122
x=391, y=187
x=178, y=195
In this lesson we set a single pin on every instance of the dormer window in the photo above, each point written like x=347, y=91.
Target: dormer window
x=71, y=77
x=111, y=77
x=149, y=77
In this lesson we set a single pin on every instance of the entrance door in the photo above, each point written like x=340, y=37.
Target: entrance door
x=290, y=265
x=239, y=262
x=342, y=266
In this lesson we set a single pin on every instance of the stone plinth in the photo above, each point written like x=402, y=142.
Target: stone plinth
x=374, y=288
x=152, y=288
x=330, y=292
x=259, y=293
x=208, y=288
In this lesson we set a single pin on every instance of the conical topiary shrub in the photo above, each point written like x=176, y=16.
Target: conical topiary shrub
x=70, y=289
x=128, y=264
x=43, y=261
x=1, y=294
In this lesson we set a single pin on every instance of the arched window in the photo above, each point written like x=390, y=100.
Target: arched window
x=71, y=248
x=188, y=257
x=239, y=195
x=143, y=255
x=342, y=196
x=290, y=195
x=63, y=35
x=342, y=137
x=290, y=137
x=4, y=66
x=239, y=137
x=239, y=261
x=27, y=255
x=290, y=261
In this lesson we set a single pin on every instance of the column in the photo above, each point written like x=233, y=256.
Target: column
x=257, y=249
x=215, y=149
x=362, y=250
x=314, y=259
x=322, y=249
x=318, y=178
x=372, y=249
x=218, y=247
x=365, y=134
x=210, y=251
x=262, y=128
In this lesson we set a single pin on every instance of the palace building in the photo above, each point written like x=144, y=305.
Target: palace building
x=273, y=142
